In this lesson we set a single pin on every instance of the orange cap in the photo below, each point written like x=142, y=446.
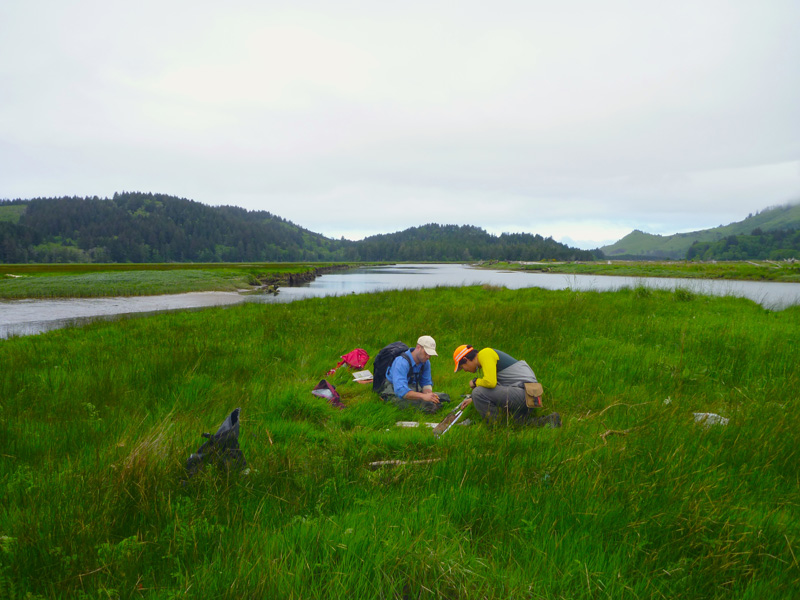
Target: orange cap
x=460, y=353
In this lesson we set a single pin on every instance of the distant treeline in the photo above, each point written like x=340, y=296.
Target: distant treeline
x=464, y=243
x=779, y=244
x=137, y=227
x=146, y=228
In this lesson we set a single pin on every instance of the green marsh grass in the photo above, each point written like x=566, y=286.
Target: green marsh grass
x=120, y=279
x=631, y=498
x=760, y=270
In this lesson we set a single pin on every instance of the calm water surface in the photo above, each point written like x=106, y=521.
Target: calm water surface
x=26, y=317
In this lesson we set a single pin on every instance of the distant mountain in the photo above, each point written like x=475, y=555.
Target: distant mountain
x=638, y=244
x=144, y=227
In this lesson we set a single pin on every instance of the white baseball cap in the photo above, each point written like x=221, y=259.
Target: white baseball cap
x=428, y=344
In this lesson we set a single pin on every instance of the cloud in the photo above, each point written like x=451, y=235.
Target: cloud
x=575, y=120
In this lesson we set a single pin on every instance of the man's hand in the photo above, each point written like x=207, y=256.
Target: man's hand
x=465, y=403
x=427, y=396
x=430, y=397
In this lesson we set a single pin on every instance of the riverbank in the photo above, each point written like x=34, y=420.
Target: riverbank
x=104, y=280
x=631, y=498
x=762, y=270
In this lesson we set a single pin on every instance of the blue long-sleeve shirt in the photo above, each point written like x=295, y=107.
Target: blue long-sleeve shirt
x=399, y=371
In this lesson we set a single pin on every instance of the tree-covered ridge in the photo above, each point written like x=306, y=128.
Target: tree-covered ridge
x=144, y=227
x=763, y=245
x=464, y=243
x=152, y=228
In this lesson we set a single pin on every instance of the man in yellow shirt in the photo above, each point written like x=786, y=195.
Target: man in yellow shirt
x=501, y=392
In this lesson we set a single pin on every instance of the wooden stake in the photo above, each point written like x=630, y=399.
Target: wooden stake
x=373, y=466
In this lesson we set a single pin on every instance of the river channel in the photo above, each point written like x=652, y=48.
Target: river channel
x=27, y=317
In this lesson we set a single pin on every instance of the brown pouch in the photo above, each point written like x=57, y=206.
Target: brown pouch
x=533, y=395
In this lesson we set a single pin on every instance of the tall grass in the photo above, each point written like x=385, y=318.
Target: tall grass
x=93, y=280
x=630, y=499
x=762, y=270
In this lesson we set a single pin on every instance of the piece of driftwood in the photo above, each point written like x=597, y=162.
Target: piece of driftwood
x=622, y=432
x=614, y=432
x=374, y=466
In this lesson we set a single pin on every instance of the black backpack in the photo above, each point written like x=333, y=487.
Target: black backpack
x=384, y=360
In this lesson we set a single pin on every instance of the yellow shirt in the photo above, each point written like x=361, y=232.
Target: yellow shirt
x=492, y=362
x=488, y=359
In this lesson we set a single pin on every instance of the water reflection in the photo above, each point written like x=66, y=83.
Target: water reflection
x=772, y=295
x=25, y=317
x=391, y=277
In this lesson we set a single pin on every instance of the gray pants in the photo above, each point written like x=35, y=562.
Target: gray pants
x=502, y=403
x=387, y=395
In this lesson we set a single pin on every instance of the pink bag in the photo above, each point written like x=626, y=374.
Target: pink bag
x=356, y=359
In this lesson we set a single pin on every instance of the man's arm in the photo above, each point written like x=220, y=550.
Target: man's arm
x=488, y=359
x=426, y=378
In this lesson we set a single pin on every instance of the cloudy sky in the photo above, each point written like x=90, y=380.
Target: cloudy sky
x=576, y=119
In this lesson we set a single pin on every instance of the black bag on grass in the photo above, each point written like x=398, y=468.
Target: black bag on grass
x=221, y=449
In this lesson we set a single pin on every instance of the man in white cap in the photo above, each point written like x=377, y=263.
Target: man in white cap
x=408, y=379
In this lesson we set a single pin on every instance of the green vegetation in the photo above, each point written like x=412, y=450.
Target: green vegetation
x=463, y=243
x=124, y=283
x=764, y=270
x=135, y=227
x=153, y=228
x=144, y=228
x=11, y=213
x=630, y=499
x=93, y=280
x=640, y=245
x=778, y=244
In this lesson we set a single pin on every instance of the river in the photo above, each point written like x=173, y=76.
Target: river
x=27, y=317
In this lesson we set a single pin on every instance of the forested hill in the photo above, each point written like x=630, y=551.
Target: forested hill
x=138, y=227
x=464, y=243
x=145, y=227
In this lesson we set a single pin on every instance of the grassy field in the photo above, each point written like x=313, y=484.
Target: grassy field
x=94, y=280
x=631, y=498
x=751, y=271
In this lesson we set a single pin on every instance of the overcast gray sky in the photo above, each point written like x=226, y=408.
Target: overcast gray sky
x=576, y=119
